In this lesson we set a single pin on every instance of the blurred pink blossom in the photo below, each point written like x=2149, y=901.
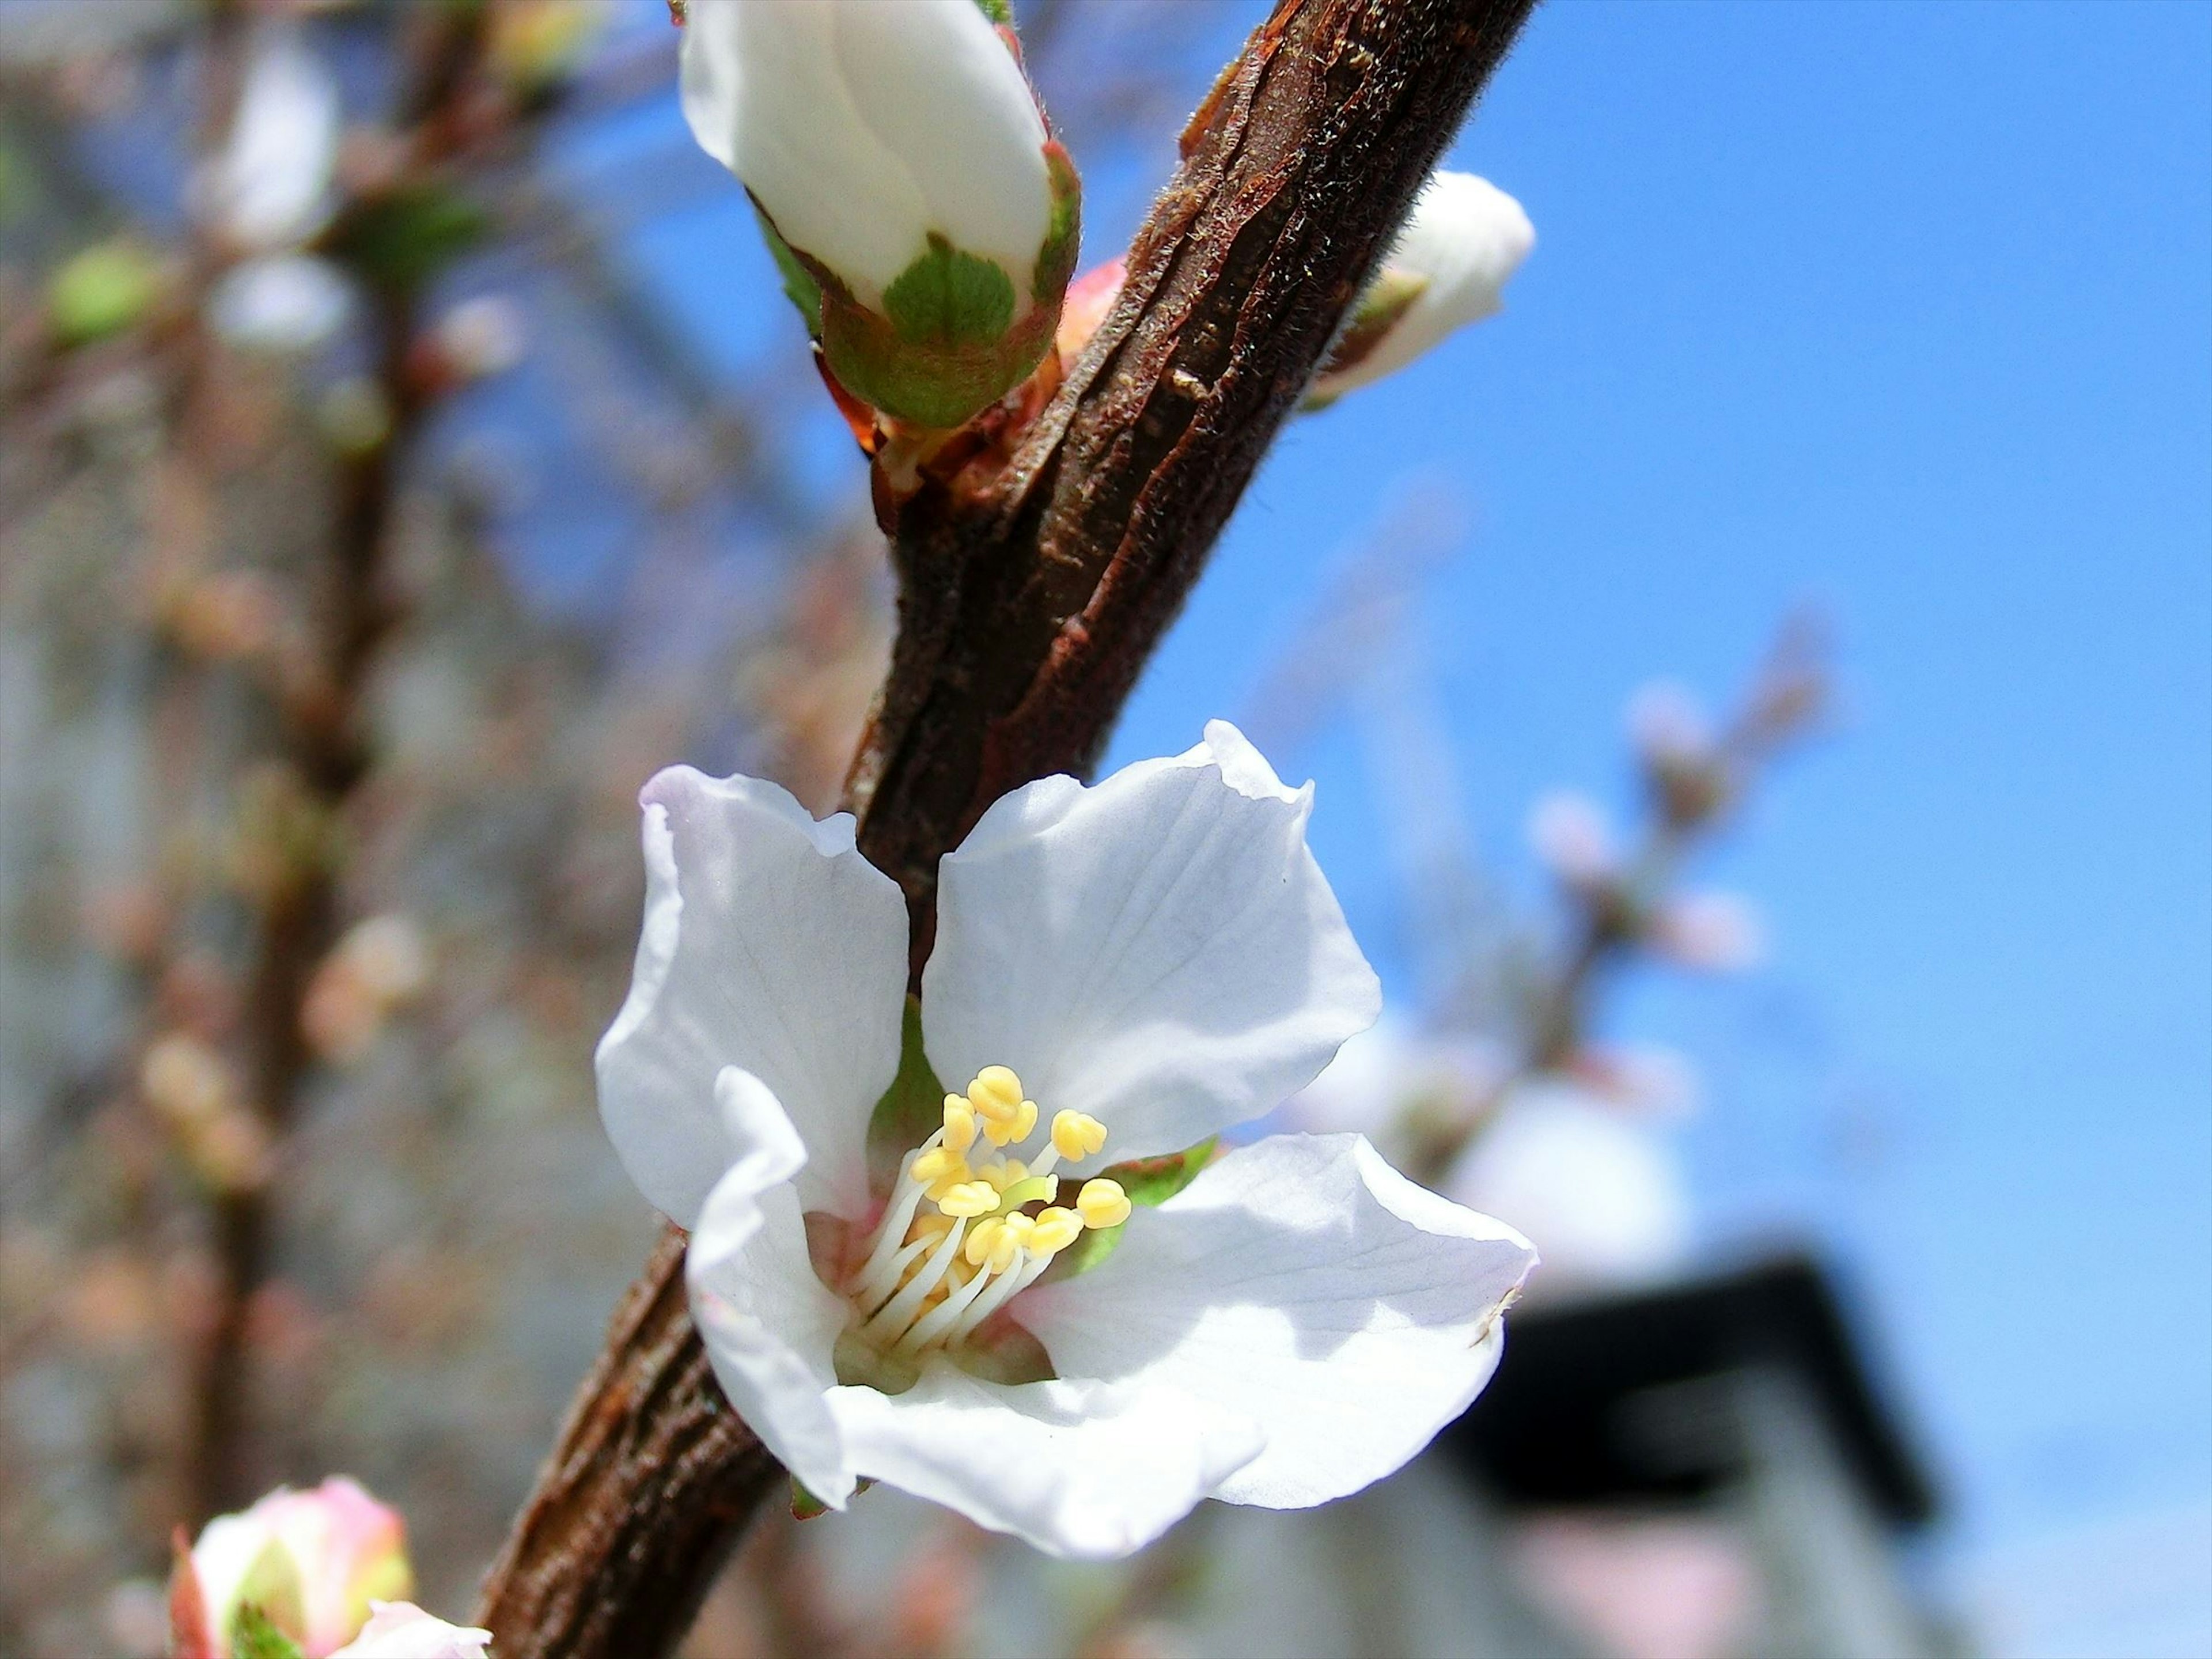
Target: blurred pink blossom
x=1713, y=932
x=1569, y=833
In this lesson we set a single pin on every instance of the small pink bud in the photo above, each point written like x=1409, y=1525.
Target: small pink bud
x=1569, y=833
x=1713, y=932
x=312, y=1561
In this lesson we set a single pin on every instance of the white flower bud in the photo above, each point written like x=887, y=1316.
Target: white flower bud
x=1461, y=245
x=920, y=209
x=1569, y=833
x=1713, y=933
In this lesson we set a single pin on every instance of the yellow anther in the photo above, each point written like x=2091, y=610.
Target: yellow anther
x=1025, y=1119
x=938, y=1163
x=1103, y=1203
x=980, y=1239
x=959, y=1123
x=1004, y=1172
x=1077, y=1134
x=969, y=1198
x=996, y=1092
x=1056, y=1230
x=931, y=1225
x=1015, y=1126
x=1013, y=1237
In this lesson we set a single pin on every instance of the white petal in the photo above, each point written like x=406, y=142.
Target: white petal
x=291, y=303
x=1302, y=1282
x=269, y=186
x=769, y=1324
x=861, y=127
x=1076, y=1469
x=770, y=942
x=1160, y=951
x=1467, y=237
x=400, y=1630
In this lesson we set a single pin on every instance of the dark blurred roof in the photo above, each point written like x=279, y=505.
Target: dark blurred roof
x=1567, y=1419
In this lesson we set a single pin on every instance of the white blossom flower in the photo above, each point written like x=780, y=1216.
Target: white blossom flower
x=923, y=216
x=400, y=1630
x=1601, y=1195
x=269, y=186
x=1120, y=972
x=1460, y=247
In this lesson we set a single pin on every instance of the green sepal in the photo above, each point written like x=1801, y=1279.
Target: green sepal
x=806, y=1506
x=1063, y=241
x=398, y=242
x=254, y=1635
x=799, y=284
x=948, y=298
x=1148, y=1181
x=271, y=1591
x=1381, y=306
x=911, y=1109
x=1000, y=12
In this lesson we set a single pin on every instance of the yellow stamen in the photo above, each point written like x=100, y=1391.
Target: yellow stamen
x=1004, y=1172
x=938, y=1163
x=1056, y=1230
x=980, y=1237
x=1011, y=1238
x=970, y=1198
x=996, y=1092
x=959, y=1123
x=1077, y=1134
x=1102, y=1203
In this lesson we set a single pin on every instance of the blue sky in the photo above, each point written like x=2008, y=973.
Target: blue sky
x=1905, y=310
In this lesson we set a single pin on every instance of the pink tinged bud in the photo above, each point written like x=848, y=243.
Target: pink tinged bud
x=311, y=1561
x=1568, y=833
x=920, y=214
x=1669, y=727
x=1460, y=246
x=1713, y=932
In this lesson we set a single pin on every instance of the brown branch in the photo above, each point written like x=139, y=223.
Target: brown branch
x=1024, y=617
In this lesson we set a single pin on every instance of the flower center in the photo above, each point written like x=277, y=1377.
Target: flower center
x=960, y=1239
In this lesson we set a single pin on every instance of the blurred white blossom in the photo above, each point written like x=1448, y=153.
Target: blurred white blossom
x=1602, y=1197
x=400, y=1630
x=1713, y=932
x=1569, y=832
x=269, y=186
x=287, y=302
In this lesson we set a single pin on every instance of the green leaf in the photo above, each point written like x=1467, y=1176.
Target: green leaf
x=950, y=298
x=799, y=283
x=911, y=1109
x=1000, y=13
x=253, y=1635
x=399, y=242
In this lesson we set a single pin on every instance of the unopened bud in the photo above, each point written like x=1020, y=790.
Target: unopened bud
x=1713, y=932
x=921, y=212
x=1461, y=245
x=1569, y=833
x=313, y=1562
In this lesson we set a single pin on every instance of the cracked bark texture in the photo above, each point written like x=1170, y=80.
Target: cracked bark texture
x=1025, y=614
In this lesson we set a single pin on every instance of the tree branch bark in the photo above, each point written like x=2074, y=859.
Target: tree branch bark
x=1025, y=614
